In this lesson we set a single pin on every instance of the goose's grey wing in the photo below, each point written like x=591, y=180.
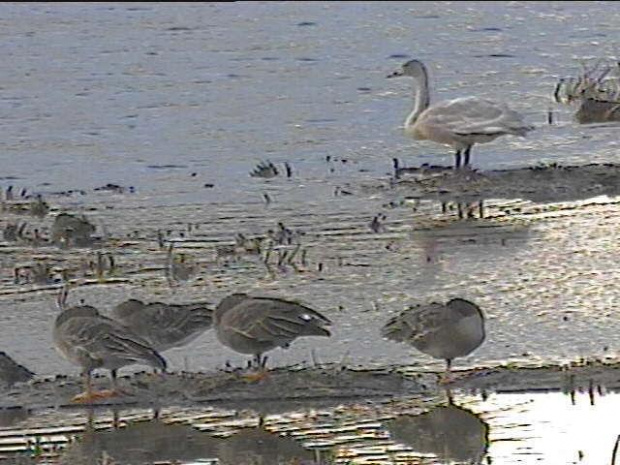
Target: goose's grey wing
x=130, y=312
x=172, y=324
x=107, y=343
x=415, y=324
x=227, y=303
x=275, y=320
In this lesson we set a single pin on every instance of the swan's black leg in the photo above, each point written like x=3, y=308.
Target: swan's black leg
x=466, y=153
x=481, y=208
x=457, y=159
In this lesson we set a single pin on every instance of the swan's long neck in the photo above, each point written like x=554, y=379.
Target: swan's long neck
x=421, y=99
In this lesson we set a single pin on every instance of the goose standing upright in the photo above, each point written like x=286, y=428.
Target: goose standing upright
x=461, y=122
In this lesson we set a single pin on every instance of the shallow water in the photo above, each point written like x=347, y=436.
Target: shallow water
x=142, y=95
x=118, y=92
x=503, y=428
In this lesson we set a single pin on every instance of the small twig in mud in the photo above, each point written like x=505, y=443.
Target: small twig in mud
x=282, y=257
x=111, y=263
x=179, y=267
x=61, y=299
x=344, y=359
x=289, y=170
x=556, y=93
x=291, y=257
x=100, y=266
x=169, y=263
x=267, y=199
x=615, y=451
x=264, y=170
x=375, y=225
x=396, y=165
x=303, y=257
x=340, y=191
x=267, y=256
x=160, y=239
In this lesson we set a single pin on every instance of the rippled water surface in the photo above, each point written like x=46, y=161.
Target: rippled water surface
x=168, y=99
x=504, y=428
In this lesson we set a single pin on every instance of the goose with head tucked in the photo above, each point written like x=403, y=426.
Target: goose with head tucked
x=164, y=325
x=255, y=325
x=91, y=340
x=459, y=123
x=443, y=331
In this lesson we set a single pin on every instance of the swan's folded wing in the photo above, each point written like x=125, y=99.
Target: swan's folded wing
x=475, y=116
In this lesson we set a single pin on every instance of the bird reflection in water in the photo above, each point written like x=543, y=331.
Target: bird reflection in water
x=139, y=442
x=155, y=441
x=451, y=433
x=257, y=446
x=11, y=416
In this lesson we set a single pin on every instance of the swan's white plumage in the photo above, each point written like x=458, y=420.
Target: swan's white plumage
x=461, y=122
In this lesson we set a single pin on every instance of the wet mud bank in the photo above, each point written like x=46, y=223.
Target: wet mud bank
x=570, y=378
x=542, y=183
x=291, y=387
x=286, y=387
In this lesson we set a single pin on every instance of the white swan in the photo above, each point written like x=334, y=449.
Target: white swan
x=461, y=122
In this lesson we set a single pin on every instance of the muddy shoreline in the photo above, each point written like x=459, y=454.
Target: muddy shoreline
x=293, y=387
x=542, y=183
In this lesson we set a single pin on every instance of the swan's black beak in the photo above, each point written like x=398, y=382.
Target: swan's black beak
x=397, y=73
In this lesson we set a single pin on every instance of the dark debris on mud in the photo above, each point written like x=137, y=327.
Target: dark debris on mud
x=543, y=183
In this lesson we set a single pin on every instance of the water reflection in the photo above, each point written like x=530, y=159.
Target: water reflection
x=451, y=433
x=482, y=240
x=257, y=446
x=142, y=442
x=11, y=416
x=156, y=441
x=498, y=428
